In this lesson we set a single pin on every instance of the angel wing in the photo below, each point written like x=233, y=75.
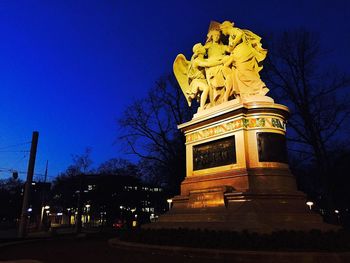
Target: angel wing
x=180, y=67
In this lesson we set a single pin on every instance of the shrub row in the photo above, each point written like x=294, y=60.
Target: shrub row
x=281, y=240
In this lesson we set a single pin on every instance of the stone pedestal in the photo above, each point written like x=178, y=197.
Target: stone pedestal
x=237, y=173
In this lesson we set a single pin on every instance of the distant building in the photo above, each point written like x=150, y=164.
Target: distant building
x=39, y=198
x=107, y=199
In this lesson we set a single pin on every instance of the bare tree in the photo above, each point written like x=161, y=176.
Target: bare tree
x=298, y=76
x=149, y=128
x=118, y=166
x=82, y=162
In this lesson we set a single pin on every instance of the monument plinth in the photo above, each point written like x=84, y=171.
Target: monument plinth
x=237, y=172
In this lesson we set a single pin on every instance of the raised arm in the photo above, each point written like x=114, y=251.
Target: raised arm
x=206, y=63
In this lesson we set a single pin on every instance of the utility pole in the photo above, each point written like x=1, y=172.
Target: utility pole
x=26, y=194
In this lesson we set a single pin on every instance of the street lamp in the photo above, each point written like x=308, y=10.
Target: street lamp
x=133, y=217
x=338, y=215
x=43, y=208
x=169, y=202
x=87, y=216
x=309, y=204
x=29, y=210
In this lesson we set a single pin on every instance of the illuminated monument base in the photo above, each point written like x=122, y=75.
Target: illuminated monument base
x=237, y=175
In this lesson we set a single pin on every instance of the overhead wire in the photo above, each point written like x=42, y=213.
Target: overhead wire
x=17, y=158
x=14, y=145
x=21, y=151
x=2, y=169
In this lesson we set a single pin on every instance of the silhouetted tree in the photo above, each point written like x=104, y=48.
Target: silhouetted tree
x=317, y=98
x=149, y=127
x=118, y=166
x=82, y=162
x=64, y=190
x=10, y=199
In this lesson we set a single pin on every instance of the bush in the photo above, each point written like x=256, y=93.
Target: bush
x=281, y=240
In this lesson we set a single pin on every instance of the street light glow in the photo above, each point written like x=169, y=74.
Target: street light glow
x=309, y=204
x=169, y=202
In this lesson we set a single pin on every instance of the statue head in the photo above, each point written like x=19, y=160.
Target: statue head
x=213, y=32
x=198, y=49
x=226, y=26
x=213, y=36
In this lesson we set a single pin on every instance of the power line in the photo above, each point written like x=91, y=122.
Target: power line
x=20, y=172
x=14, y=145
x=22, y=151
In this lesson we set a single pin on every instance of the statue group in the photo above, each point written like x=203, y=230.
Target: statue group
x=226, y=67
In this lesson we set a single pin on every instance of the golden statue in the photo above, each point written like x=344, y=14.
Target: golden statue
x=217, y=72
x=191, y=75
x=216, y=50
x=245, y=55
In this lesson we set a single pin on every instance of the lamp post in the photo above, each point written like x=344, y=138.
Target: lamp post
x=310, y=204
x=121, y=212
x=87, y=218
x=43, y=208
x=133, y=217
x=68, y=212
x=169, y=202
x=336, y=211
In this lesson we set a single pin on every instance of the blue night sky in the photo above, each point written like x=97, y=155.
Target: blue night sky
x=69, y=68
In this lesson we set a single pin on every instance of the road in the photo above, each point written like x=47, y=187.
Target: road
x=88, y=249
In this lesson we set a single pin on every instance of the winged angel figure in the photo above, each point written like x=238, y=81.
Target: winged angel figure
x=191, y=75
x=219, y=72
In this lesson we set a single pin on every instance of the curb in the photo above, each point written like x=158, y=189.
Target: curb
x=236, y=256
